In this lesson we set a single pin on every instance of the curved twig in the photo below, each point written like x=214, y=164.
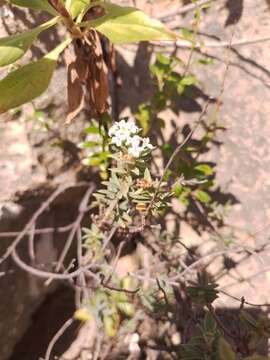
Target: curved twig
x=57, y=336
x=34, y=218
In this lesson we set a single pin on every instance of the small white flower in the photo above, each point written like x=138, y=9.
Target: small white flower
x=134, y=141
x=147, y=144
x=176, y=339
x=124, y=134
x=111, y=132
x=116, y=140
x=122, y=123
x=132, y=127
x=127, y=127
x=134, y=151
x=134, y=144
x=134, y=347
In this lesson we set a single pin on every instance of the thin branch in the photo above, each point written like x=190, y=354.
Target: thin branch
x=113, y=288
x=31, y=244
x=220, y=324
x=248, y=278
x=244, y=300
x=81, y=293
x=119, y=251
x=48, y=230
x=211, y=44
x=50, y=275
x=184, y=9
x=163, y=292
x=82, y=209
x=34, y=218
x=98, y=347
x=109, y=237
x=57, y=336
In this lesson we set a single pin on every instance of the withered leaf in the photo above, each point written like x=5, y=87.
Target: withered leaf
x=74, y=87
x=87, y=76
x=83, y=55
x=97, y=80
x=60, y=8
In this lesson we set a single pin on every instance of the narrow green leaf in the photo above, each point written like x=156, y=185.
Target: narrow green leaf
x=126, y=308
x=189, y=80
x=35, y=4
x=165, y=60
x=75, y=7
x=205, y=169
x=127, y=24
x=210, y=324
x=143, y=116
x=29, y=81
x=225, y=350
x=14, y=47
x=202, y=196
x=187, y=34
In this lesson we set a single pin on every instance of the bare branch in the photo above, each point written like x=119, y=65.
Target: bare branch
x=211, y=44
x=49, y=275
x=57, y=336
x=185, y=9
x=82, y=210
x=34, y=218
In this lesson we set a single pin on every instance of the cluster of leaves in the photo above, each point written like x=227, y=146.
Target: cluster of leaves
x=96, y=148
x=122, y=203
x=171, y=83
x=207, y=338
x=130, y=193
x=116, y=23
x=108, y=308
x=130, y=190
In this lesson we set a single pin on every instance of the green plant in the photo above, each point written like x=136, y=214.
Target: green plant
x=116, y=23
x=196, y=176
x=96, y=148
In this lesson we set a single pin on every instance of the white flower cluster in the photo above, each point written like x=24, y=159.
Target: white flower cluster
x=125, y=134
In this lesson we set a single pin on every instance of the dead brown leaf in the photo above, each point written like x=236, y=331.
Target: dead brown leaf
x=59, y=7
x=74, y=87
x=97, y=80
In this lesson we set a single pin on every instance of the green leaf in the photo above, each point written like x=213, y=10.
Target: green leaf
x=29, y=81
x=14, y=47
x=110, y=325
x=210, y=324
x=165, y=60
x=206, y=61
x=126, y=308
x=205, y=169
x=126, y=24
x=187, y=34
x=75, y=7
x=202, y=196
x=189, y=80
x=35, y=4
x=92, y=130
x=225, y=350
x=143, y=116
